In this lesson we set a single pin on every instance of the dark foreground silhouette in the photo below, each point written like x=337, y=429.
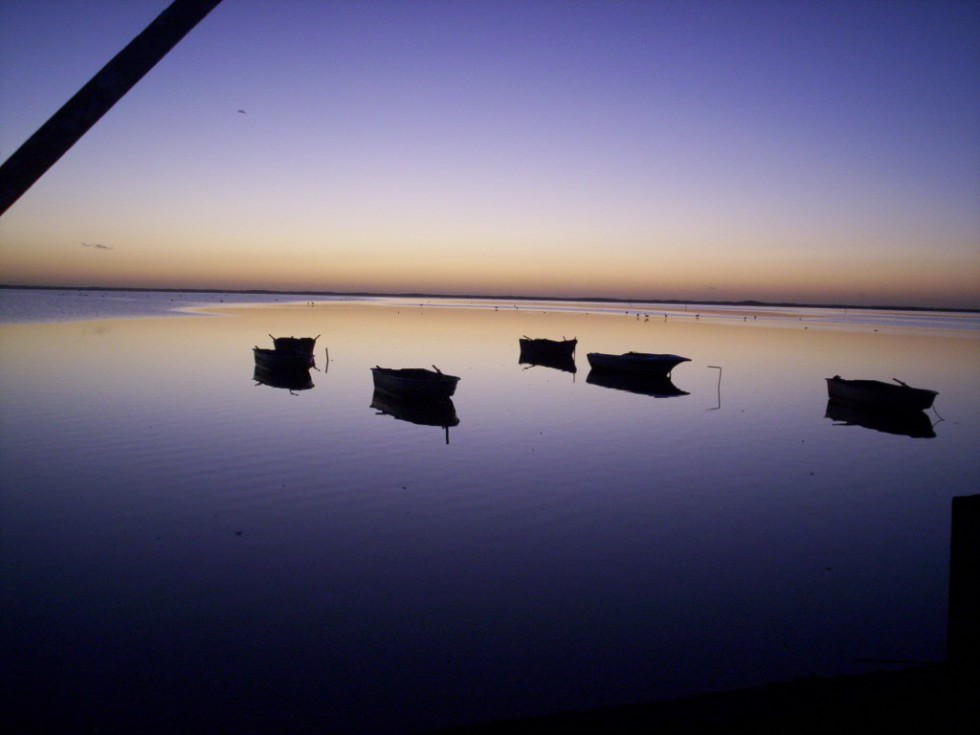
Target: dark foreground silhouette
x=933, y=698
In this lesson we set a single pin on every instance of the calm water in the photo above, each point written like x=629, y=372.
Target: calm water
x=186, y=548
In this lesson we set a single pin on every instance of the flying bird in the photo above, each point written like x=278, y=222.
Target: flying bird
x=96, y=245
x=241, y=112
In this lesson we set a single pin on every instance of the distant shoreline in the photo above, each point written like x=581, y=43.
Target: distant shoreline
x=493, y=297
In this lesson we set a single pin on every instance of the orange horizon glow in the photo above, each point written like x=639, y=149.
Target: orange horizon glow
x=643, y=153
x=923, y=289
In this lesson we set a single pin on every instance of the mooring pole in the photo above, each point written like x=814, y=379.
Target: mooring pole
x=963, y=636
x=53, y=139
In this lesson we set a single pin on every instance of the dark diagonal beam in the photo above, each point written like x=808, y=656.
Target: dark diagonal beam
x=43, y=149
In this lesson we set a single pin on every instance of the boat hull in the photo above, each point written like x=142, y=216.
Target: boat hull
x=416, y=383
x=877, y=395
x=548, y=347
x=636, y=363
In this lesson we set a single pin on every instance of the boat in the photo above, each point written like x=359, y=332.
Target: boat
x=414, y=382
x=277, y=360
x=287, y=352
x=302, y=345
x=637, y=363
x=556, y=354
x=915, y=424
x=291, y=378
x=656, y=386
x=880, y=396
x=548, y=347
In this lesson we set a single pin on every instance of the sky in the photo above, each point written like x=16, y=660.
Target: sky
x=809, y=152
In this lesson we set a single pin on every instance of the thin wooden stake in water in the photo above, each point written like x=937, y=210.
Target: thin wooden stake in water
x=43, y=149
x=718, y=368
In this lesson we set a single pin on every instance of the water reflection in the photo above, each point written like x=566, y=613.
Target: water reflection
x=718, y=368
x=565, y=364
x=559, y=355
x=421, y=411
x=915, y=424
x=565, y=538
x=633, y=383
x=293, y=379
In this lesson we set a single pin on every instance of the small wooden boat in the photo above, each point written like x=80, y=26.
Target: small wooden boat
x=639, y=363
x=302, y=345
x=656, y=386
x=548, y=347
x=557, y=354
x=880, y=396
x=414, y=382
x=278, y=360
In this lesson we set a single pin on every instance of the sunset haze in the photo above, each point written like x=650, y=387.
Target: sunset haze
x=798, y=151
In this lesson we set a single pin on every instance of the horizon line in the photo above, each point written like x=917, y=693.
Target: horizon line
x=495, y=297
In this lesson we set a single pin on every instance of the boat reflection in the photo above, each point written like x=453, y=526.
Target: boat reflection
x=421, y=411
x=635, y=383
x=291, y=378
x=565, y=363
x=559, y=355
x=915, y=424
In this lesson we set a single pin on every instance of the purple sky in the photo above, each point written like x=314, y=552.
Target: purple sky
x=805, y=151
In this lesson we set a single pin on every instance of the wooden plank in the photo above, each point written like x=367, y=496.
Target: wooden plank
x=53, y=139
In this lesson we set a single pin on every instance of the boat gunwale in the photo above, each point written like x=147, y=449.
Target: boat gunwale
x=419, y=382
x=270, y=358
x=641, y=363
x=879, y=395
